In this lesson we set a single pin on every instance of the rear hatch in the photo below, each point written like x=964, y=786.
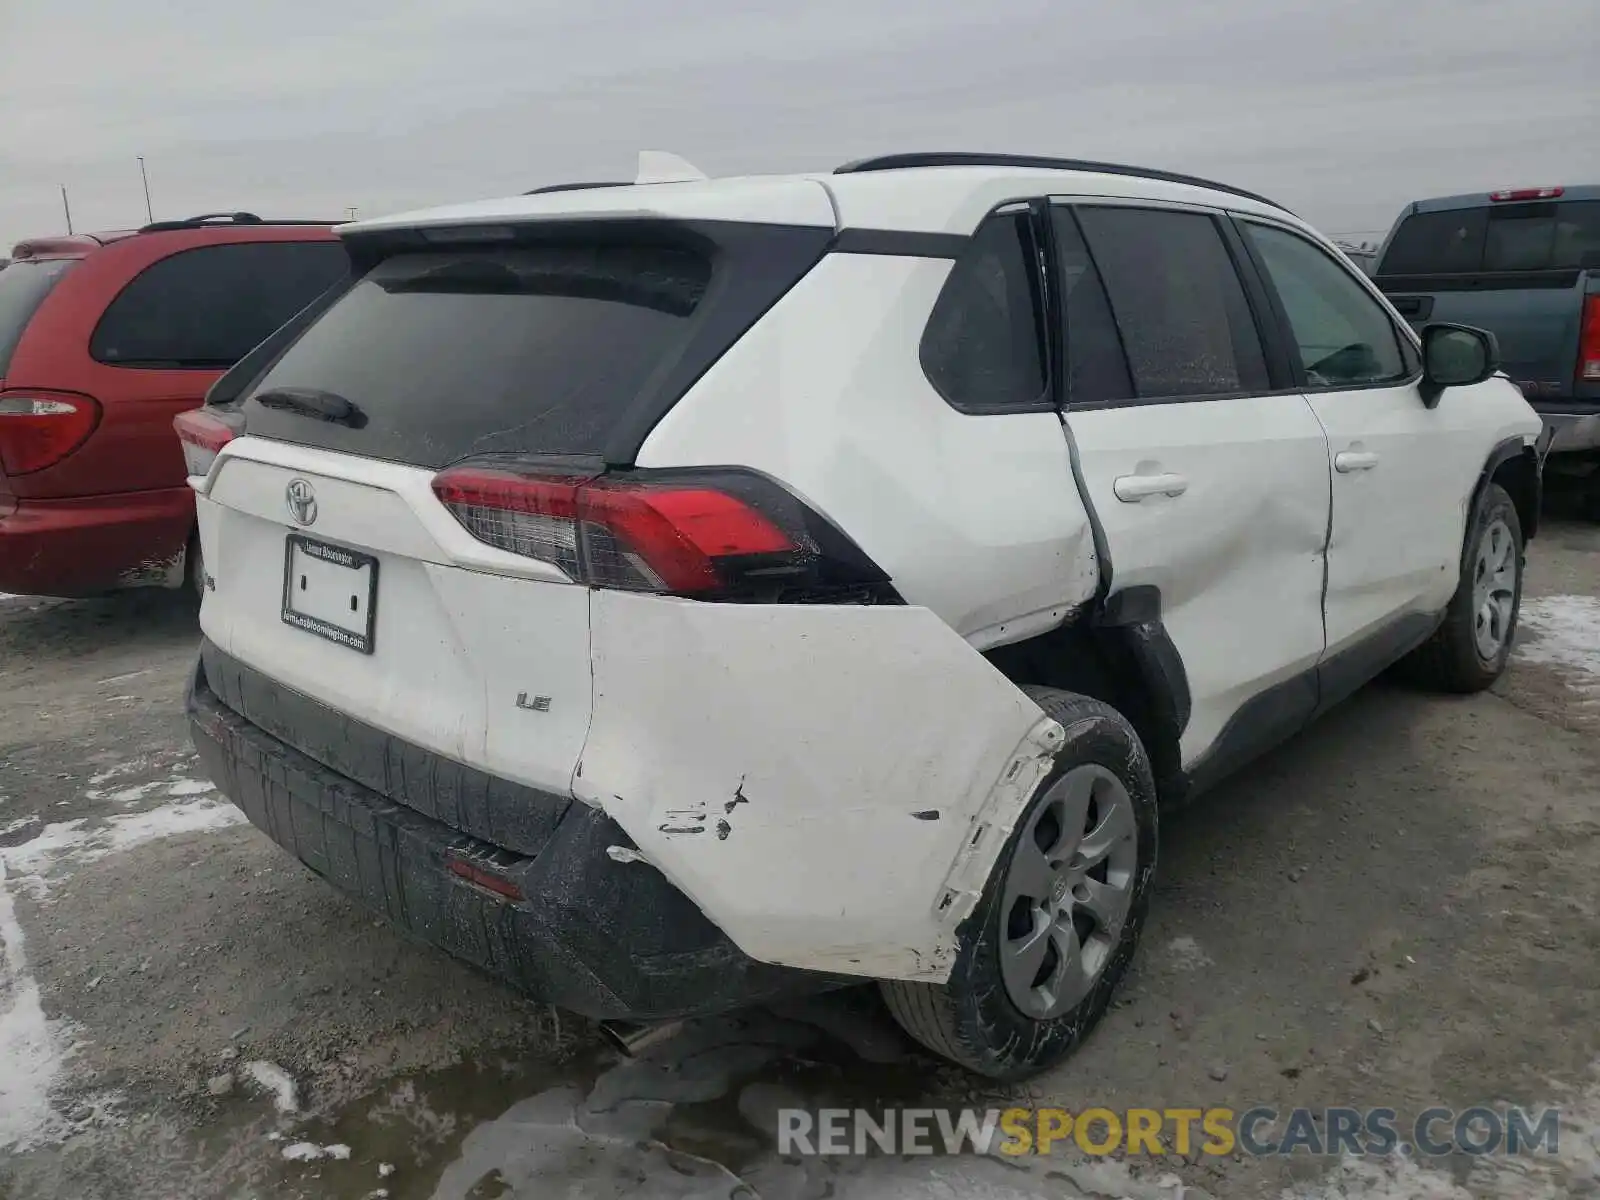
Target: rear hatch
x=1513, y=263
x=338, y=568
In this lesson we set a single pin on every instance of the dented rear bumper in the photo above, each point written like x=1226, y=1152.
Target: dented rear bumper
x=598, y=936
x=769, y=798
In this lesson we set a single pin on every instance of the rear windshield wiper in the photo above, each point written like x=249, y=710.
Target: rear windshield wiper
x=311, y=402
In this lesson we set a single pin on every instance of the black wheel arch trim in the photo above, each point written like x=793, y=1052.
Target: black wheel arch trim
x=1504, y=451
x=1132, y=618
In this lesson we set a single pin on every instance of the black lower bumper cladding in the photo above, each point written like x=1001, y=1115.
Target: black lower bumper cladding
x=599, y=937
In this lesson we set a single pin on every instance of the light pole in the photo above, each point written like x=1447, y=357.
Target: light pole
x=150, y=216
x=66, y=208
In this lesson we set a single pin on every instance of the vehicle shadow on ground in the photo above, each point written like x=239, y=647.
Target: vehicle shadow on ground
x=37, y=632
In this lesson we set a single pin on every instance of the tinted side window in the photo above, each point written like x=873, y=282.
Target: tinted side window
x=1096, y=369
x=983, y=348
x=208, y=307
x=1437, y=243
x=1343, y=336
x=1185, y=323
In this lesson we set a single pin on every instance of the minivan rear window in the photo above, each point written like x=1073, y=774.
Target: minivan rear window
x=23, y=286
x=1539, y=236
x=475, y=350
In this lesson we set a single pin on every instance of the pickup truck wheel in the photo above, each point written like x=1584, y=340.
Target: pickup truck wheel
x=1050, y=940
x=1469, y=650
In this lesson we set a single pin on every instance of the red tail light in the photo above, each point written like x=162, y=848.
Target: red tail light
x=203, y=434
x=1533, y=193
x=39, y=429
x=1589, y=342
x=725, y=534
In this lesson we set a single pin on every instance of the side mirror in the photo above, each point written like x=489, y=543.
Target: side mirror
x=1455, y=356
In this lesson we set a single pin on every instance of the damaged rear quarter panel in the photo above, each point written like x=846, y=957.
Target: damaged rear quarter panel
x=783, y=766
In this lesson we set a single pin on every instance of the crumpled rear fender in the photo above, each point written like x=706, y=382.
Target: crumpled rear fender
x=830, y=784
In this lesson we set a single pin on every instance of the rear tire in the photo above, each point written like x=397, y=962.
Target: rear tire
x=1060, y=918
x=1470, y=649
x=194, y=568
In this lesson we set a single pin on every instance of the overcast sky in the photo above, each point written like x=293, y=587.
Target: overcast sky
x=1343, y=110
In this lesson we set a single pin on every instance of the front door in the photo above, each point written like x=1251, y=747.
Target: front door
x=1400, y=469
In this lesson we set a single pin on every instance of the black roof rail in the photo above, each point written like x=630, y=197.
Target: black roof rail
x=967, y=158
x=578, y=187
x=227, y=218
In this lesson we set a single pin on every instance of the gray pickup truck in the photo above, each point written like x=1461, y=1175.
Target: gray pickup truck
x=1525, y=265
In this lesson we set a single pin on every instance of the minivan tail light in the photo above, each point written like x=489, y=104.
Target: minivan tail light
x=1589, y=342
x=203, y=435
x=39, y=429
x=721, y=534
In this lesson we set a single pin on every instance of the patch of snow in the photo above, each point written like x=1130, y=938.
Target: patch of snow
x=33, y=1048
x=1566, y=635
x=310, y=1151
x=189, y=787
x=129, y=795
x=122, y=768
x=1529, y=1176
x=278, y=1083
x=1185, y=954
x=75, y=843
x=20, y=823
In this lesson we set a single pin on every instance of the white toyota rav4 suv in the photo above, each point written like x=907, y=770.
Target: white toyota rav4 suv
x=677, y=596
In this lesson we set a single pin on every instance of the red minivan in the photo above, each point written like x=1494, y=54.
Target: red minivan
x=103, y=340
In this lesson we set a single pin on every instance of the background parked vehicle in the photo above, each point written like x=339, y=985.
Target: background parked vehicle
x=1362, y=256
x=103, y=340
x=1525, y=265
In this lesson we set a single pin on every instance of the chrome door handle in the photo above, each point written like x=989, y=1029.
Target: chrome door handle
x=1347, y=461
x=1134, y=488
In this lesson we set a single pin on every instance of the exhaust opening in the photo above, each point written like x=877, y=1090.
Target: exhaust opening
x=633, y=1039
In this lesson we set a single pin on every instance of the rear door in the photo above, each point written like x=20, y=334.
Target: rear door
x=1210, y=483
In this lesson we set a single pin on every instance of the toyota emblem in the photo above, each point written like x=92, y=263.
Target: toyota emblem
x=302, y=501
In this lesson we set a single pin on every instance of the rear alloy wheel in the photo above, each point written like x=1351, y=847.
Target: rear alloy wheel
x=1055, y=931
x=1470, y=649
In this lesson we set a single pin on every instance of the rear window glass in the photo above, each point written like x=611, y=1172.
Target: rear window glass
x=1541, y=236
x=208, y=307
x=23, y=287
x=447, y=354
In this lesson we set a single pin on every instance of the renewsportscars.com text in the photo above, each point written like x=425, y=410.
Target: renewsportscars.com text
x=1261, y=1131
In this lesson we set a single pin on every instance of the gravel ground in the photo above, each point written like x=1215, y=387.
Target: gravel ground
x=1398, y=908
